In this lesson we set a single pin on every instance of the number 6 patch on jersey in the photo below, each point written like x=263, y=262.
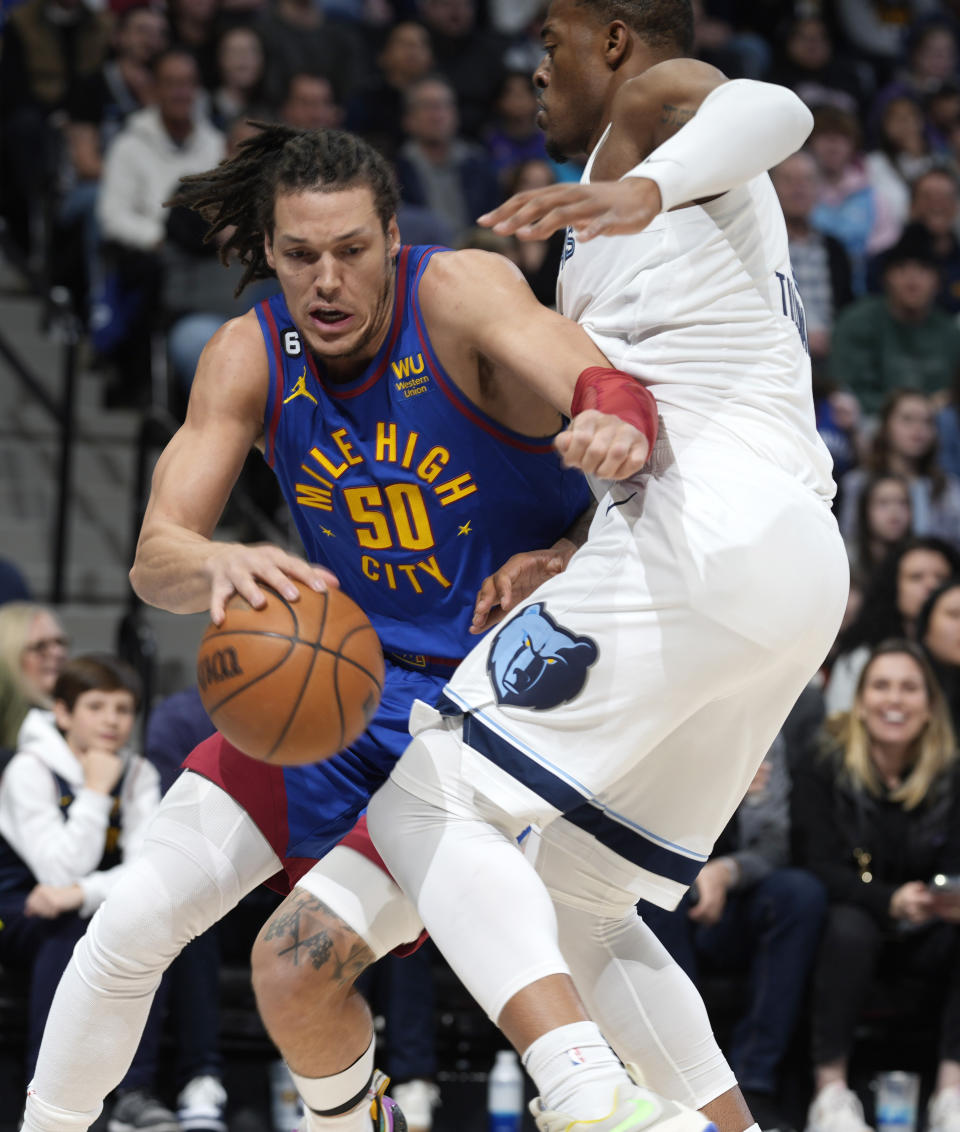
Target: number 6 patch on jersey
x=291, y=344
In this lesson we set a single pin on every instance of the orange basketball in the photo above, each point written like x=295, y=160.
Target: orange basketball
x=294, y=682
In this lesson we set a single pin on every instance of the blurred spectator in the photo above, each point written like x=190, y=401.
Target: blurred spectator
x=13, y=585
x=934, y=212
x=436, y=167
x=821, y=266
x=876, y=815
x=847, y=207
x=156, y=147
x=510, y=17
x=513, y=136
x=298, y=39
x=901, y=339
x=47, y=46
x=717, y=39
x=938, y=631
x=812, y=69
x=890, y=608
x=876, y=29
x=905, y=443
x=240, y=77
x=903, y=153
x=948, y=428
x=838, y=421
x=376, y=111
x=309, y=103
x=193, y=25
x=942, y=109
x=748, y=911
x=471, y=58
x=33, y=651
x=97, y=107
x=883, y=519
x=931, y=59
x=539, y=260
x=74, y=806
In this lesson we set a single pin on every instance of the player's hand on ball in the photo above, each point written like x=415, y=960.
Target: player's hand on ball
x=236, y=568
x=603, y=445
x=608, y=208
x=515, y=581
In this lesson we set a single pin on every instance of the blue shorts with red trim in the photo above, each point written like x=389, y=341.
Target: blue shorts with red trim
x=303, y=811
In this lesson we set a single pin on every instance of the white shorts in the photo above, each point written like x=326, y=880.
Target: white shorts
x=636, y=693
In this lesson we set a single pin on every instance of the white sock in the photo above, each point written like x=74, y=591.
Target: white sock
x=39, y=1116
x=575, y=1071
x=324, y=1096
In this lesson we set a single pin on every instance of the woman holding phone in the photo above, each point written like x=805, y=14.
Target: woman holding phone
x=876, y=816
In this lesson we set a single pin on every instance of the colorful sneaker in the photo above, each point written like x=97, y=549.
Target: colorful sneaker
x=635, y=1109
x=943, y=1114
x=202, y=1106
x=418, y=1099
x=138, y=1111
x=384, y=1111
x=836, y=1109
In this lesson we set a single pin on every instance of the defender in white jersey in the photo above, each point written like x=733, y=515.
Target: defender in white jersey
x=625, y=707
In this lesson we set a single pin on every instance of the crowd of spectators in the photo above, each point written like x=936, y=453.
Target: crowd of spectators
x=103, y=105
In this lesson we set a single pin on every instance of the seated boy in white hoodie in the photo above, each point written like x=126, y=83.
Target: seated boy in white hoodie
x=74, y=805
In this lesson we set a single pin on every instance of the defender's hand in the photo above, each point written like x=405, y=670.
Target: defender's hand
x=516, y=580
x=608, y=208
x=603, y=445
x=235, y=568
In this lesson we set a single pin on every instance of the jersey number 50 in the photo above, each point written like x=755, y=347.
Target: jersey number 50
x=404, y=506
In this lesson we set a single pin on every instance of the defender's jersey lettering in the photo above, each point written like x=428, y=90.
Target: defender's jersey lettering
x=385, y=474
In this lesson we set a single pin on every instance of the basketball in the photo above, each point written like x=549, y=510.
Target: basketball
x=294, y=682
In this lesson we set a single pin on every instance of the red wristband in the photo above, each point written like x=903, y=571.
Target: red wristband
x=615, y=392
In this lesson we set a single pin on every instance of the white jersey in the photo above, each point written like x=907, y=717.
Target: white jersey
x=702, y=306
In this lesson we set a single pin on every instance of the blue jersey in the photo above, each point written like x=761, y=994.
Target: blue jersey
x=399, y=484
x=411, y=496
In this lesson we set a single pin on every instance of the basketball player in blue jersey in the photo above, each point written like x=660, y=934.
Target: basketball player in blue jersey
x=408, y=400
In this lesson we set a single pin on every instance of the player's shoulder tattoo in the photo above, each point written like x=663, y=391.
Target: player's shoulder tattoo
x=675, y=116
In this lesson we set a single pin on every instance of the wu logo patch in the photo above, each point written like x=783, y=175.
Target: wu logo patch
x=536, y=663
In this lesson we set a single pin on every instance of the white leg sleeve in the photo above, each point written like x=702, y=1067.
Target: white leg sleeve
x=482, y=902
x=202, y=853
x=646, y=1006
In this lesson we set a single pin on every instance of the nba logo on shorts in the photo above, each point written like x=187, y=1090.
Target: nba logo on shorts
x=576, y=1057
x=536, y=663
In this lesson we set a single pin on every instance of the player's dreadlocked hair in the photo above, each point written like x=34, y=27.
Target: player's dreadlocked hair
x=660, y=23
x=240, y=192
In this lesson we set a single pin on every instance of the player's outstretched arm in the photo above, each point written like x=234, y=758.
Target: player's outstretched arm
x=679, y=133
x=484, y=301
x=178, y=566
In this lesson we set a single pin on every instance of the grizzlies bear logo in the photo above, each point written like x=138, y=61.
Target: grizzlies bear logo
x=536, y=663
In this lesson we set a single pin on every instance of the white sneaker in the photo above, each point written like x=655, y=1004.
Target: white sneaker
x=202, y=1106
x=634, y=1108
x=836, y=1109
x=943, y=1115
x=417, y=1100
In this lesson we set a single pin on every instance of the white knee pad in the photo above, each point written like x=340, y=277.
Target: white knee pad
x=365, y=897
